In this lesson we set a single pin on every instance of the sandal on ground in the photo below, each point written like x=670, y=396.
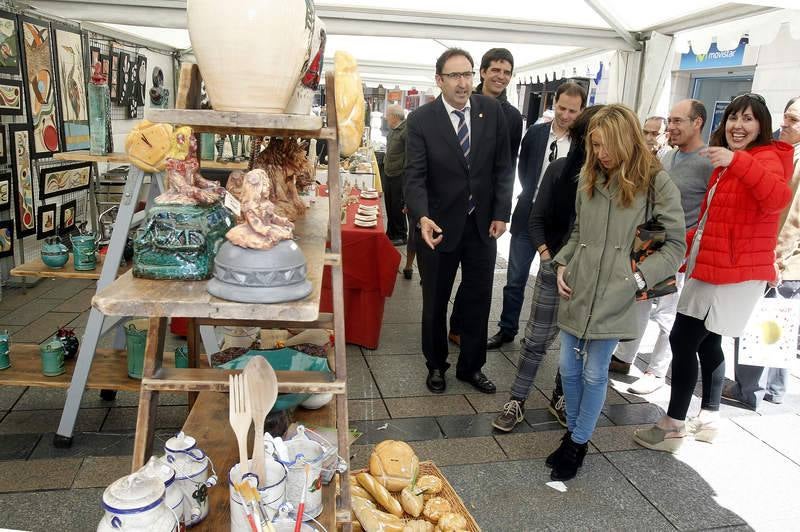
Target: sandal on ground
x=660, y=440
x=705, y=432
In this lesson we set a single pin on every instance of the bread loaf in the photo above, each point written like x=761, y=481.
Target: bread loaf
x=435, y=508
x=148, y=145
x=428, y=484
x=418, y=525
x=349, y=103
x=411, y=502
x=380, y=494
x=357, y=491
x=451, y=522
x=372, y=519
x=394, y=464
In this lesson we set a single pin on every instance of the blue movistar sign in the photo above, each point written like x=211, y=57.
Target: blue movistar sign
x=714, y=58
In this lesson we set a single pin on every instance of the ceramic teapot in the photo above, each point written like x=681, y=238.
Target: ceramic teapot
x=194, y=474
x=135, y=503
x=54, y=254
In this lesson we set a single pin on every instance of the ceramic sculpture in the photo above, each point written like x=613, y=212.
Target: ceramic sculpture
x=349, y=103
x=263, y=51
x=288, y=168
x=303, y=95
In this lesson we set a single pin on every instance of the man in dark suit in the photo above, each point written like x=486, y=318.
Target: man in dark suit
x=458, y=188
x=542, y=144
x=497, y=67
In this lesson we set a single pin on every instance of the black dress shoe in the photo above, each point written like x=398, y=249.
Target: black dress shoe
x=479, y=381
x=499, y=339
x=435, y=381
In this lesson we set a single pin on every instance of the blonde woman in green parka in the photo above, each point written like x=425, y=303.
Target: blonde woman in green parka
x=595, y=278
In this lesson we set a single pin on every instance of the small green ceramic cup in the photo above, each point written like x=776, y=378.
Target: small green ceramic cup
x=182, y=356
x=52, y=354
x=135, y=342
x=5, y=361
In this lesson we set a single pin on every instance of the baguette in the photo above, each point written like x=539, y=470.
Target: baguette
x=357, y=491
x=373, y=520
x=411, y=502
x=380, y=494
x=418, y=525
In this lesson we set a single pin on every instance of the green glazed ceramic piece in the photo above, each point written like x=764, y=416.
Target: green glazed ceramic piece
x=180, y=241
x=182, y=356
x=283, y=360
x=54, y=254
x=5, y=361
x=52, y=354
x=135, y=342
x=84, y=251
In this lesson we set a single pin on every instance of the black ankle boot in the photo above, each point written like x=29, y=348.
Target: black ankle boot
x=553, y=457
x=569, y=460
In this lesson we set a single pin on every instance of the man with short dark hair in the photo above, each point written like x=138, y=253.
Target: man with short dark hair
x=497, y=67
x=393, y=165
x=542, y=144
x=458, y=187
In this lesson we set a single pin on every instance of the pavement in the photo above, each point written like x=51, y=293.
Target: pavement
x=745, y=480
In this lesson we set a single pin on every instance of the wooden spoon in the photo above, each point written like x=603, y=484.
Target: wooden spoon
x=263, y=386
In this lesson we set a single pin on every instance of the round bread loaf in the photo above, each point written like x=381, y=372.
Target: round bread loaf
x=394, y=464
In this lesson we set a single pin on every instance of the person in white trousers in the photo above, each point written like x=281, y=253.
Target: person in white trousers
x=690, y=172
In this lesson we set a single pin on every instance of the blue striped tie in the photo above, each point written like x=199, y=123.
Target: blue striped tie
x=463, y=140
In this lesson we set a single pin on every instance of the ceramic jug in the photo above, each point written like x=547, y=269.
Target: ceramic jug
x=52, y=354
x=5, y=361
x=84, y=249
x=173, y=496
x=135, y=503
x=194, y=474
x=54, y=253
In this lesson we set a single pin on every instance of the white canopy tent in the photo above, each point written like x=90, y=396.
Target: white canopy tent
x=399, y=46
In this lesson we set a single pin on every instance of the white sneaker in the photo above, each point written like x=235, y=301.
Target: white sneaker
x=648, y=383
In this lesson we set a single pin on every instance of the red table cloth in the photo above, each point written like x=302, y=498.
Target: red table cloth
x=370, y=264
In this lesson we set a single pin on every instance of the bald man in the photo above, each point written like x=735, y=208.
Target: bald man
x=393, y=165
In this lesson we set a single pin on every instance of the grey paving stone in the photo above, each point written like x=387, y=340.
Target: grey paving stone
x=633, y=414
x=525, y=445
x=483, y=402
x=366, y=409
x=14, y=298
x=43, y=327
x=408, y=429
x=80, y=321
x=613, y=397
x=34, y=475
x=359, y=456
x=406, y=290
x=541, y=419
x=17, y=446
x=473, y=426
x=29, y=312
x=86, y=444
x=54, y=398
x=63, y=509
x=403, y=311
x=124, y=418
x=398, y=338
x=67, y=288
x=79, y=302
x=9, y=396
x=100, y=471
x=443, y=405
x=404, y=375
x=513, y=496
x=39, y=421
x=616, y=438
x=453, y=451
x=360, y=384
x=781, y=432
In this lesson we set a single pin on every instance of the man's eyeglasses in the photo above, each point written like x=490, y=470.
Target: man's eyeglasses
x=455, y=76
x=553, y=151
x=752, y=96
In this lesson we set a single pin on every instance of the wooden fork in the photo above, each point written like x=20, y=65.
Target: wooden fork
x=239, y=416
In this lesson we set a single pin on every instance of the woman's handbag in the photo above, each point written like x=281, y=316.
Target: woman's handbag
x=650, y=236
x=770, y=337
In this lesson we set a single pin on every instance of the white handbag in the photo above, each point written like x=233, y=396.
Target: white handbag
x=770, y=337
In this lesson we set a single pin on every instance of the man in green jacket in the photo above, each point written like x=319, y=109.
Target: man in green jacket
x=393, y=165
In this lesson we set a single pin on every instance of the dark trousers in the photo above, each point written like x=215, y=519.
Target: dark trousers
x=438, y=270
x=393, y=197
x=691, y=340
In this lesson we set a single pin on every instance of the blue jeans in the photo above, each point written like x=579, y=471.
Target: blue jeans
x=520, y=257
x=584, y=376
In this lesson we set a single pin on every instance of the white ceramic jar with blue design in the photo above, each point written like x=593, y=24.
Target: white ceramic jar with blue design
x=135, y=503
x=194, y=475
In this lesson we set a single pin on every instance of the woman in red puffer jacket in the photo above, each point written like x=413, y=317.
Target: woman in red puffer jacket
x=731, y=257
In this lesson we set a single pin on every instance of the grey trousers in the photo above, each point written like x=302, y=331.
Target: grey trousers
x=753, y=383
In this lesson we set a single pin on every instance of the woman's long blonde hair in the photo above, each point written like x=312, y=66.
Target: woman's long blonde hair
x=622, y=137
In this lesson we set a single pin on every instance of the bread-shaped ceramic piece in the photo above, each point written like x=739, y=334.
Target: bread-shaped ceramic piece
x=435, y=508
x=418, y=525
x=451, y=522
x=411, y=502
x=349, y=103
x=148, y=145
x=394, y=464
x=374, y=520
x=428, y=484
x=380, y=494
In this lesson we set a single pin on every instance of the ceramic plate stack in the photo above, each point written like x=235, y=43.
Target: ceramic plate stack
x=367, y=216
x=370, y=193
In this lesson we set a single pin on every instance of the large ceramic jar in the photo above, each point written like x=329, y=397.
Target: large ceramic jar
x=251, y=53
x=135, y=503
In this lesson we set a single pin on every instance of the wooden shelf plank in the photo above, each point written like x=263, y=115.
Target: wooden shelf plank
x=170, y=379
x=85, y=156
x=109, y=370
x=324, y=321
x=217, y=165
x=36, y=268
x=129, y=296
x=259, y=124
x=207, y=423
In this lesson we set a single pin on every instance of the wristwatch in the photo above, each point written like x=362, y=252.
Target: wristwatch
x=640, y=283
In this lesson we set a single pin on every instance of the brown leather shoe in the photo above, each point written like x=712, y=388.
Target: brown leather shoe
x=455, y=338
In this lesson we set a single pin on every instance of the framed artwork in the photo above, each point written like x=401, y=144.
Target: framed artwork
x=66, y=216
x=3, y=144
x=113, y=76
x=59, y=180
x=141, y=79
x=11, y=97
x=5, y=191
x=9, y=43
x=40, y=79
x=132, y=109
x=105, y=65
x=94, y=55
x=123, y=79
x=72, y=89
x=20, y=146
x=7, y=238
x=47, y=221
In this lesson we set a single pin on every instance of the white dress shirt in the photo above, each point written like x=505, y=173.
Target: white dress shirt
x=563, y=143
x=455, y=120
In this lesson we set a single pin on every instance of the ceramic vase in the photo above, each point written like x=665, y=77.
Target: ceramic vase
x=5, y=361
x=52, y=354
x=54, y=254
x=99, y=115
x=84, y=251
x=307, y=85
x=251, y=61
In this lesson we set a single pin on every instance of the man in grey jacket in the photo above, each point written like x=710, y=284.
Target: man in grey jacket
x=393, y=165
x=690, y=172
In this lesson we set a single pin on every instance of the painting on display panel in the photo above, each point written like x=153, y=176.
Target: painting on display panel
x=3, y=144
x=72, y=89
x=113, y=76
x=46, y=226
x=66, y=216
x=5, y=191
x=12, y=97
x=9, y=43
x=7, y=238
x=40, y=81
x=60, y=180
x=20, y=146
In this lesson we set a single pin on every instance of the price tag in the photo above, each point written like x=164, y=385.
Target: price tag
x=233, y=204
